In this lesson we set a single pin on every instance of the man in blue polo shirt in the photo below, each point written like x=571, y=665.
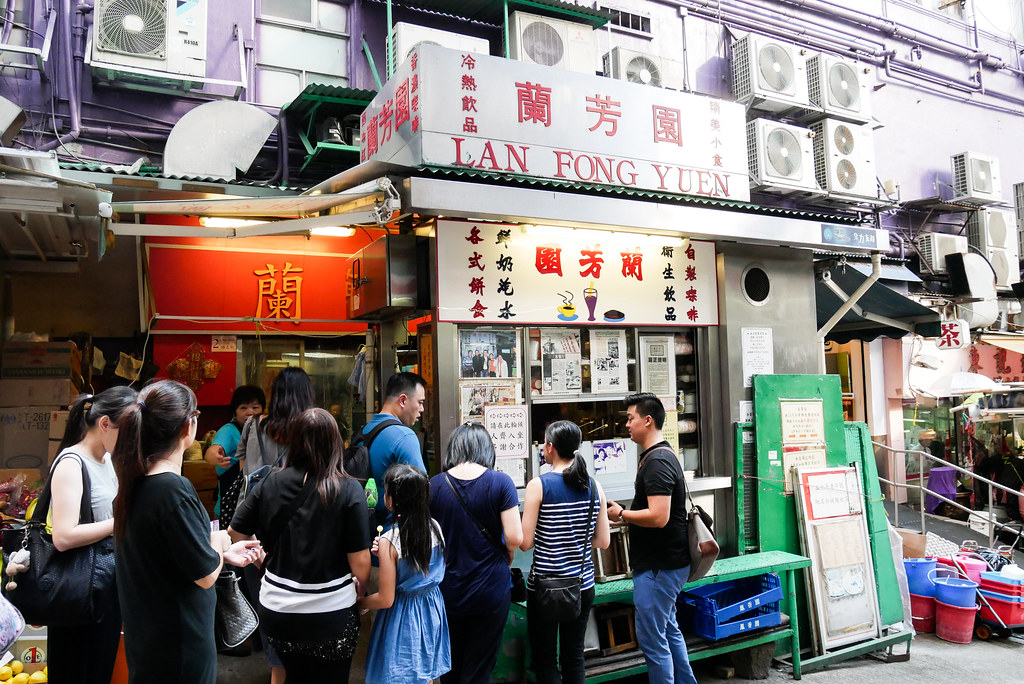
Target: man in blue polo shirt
x=403, y=400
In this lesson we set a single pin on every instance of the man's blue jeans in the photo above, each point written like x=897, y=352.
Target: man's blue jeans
x=654, y=595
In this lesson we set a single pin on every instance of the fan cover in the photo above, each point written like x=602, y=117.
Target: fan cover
x=776, y=67
x=843, y=86
x=642, y=70
x=847, y=174
x=133, y=27
x=783, y=152
x=981, y=174
x=843, y=138
x=542, y=44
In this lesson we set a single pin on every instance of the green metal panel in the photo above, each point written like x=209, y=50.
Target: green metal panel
x=776, y=510
x=858, y=446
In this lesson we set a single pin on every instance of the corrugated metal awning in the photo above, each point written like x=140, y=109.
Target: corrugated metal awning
x=493, y=12
x=1010, y=342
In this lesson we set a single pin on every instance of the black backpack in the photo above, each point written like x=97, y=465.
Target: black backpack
x=357, y=455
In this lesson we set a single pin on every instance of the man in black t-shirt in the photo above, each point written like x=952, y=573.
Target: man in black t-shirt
x=658, y=551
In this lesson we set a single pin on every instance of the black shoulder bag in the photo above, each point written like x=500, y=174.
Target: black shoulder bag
x=518, y=582
x=558, y=598
x=61, y=588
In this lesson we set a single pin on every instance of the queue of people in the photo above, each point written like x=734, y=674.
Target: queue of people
x=444, y=546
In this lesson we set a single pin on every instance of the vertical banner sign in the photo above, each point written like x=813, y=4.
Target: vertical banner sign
x=450, y=108
x=502, y=273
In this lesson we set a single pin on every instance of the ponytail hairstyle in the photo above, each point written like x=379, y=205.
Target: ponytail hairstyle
x=565, y=436
x=149, y=430
x=290, y=395
x=409, y=490
x=88, y=409
x=318, y=449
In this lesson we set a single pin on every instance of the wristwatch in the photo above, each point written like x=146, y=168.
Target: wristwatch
x=621, y=519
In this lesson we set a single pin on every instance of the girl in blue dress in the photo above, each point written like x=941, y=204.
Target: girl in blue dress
x=409, y=642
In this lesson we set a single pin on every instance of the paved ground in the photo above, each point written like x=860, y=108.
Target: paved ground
x=932, y=660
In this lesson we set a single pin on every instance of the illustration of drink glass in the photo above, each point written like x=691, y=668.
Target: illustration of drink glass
x=590, y=297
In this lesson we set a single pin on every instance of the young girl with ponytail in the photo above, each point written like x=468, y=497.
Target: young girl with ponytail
x=556, y=510
x=409, y=641
x=76, y=654
x=167, y=559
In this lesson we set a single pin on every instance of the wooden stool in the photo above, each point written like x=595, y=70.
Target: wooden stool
x=616, y=622
x=613, y=563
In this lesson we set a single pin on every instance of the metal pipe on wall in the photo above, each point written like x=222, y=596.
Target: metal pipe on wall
x=69, y=78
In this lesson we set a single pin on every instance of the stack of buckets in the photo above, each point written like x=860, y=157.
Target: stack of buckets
x=940, y=601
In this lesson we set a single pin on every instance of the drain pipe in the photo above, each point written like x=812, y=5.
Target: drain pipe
x=69, y=77
x=876, y=271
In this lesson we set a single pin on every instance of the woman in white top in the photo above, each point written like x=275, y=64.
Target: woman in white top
x=86, y=653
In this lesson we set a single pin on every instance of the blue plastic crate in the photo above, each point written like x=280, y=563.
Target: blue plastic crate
x=709, y=610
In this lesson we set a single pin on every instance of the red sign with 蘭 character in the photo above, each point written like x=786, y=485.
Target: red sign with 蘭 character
x=287, y=284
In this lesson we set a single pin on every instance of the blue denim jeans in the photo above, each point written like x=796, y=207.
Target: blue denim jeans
x=654, y=595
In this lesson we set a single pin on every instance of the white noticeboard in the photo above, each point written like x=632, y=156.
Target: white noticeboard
x=509, y=430
x=834, y=534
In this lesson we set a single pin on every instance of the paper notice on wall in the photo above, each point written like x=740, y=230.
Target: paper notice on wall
x=758, y=353
x=608, y=361
x=561, y=361
x=514, y=468
x=811, y=456
x=657, y=357
x=670, y=430
x=610, y=457
x=803, y=421
x=841, y=544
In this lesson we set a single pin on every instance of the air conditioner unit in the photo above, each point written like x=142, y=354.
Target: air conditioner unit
x=552, y=42
x=769, y=75
x=405, y=37
x=976, y=179
x=839, y=88
x=638, y=67
x=1018, y=203
x=935, y=247
x=994, y=233
x=844, y=160
x=168, y=36
x=780, y=157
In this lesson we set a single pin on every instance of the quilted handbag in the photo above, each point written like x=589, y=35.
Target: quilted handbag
x=234, y=619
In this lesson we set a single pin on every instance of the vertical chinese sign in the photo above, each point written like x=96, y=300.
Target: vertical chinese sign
x=500, y=273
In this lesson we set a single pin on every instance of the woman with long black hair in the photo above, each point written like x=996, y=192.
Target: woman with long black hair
x=557, y=508
x=85, y=653
x=167, y=559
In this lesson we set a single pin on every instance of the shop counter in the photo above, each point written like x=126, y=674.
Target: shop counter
x=749, y=565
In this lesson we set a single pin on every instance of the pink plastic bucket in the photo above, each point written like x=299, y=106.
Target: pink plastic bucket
x=972, y=567
x=953, y=623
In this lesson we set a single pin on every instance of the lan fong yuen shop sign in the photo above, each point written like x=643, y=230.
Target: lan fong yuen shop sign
x=447, y=108
x=504, y=273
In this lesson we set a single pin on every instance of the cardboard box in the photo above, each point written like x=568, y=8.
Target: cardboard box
x=913, y=543
x=41, y=360
x=37, y=392
x=31, y=651
x=24, y=436
x=58, y=424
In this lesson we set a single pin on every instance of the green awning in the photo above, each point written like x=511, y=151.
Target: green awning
x=319, y=94
x=493, y=12
x=880, y=311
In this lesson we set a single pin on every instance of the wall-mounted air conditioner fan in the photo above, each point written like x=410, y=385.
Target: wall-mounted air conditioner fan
x=780, y=157
x=769, y=75
x=405, y=37
x=167, y=36
x=839, y=88
x=644, y=69
x=976, y=179
x=844, y=160
x=935, y=247
x=994, y=233
x=552, y=42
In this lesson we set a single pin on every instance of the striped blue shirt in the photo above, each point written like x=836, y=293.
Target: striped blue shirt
x=561, y=539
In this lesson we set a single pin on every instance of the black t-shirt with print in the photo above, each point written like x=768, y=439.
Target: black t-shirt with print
x=663, y=548
x=168, y=618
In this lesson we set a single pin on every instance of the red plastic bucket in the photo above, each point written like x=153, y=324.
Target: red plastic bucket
x=953, y=623
x=922, y=611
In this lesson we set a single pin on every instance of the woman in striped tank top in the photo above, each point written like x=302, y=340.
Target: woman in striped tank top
x=557, y=508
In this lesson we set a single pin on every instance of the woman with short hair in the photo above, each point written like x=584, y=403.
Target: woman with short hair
x=477, y=508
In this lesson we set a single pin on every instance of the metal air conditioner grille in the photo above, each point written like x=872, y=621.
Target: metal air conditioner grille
x=783, y=151
x=542, y=43
x=843, y=86
x=749, y=460
x=975, y=237
x=925, y=246
x=820, y=155
x=846, y=172
x=981, y=175
x=843, y=139
x=1018, y=203
x=814, y=80
x=960, y=182
x=132, y=27
x=741, y=85
x=776, y=68
x=753, y=158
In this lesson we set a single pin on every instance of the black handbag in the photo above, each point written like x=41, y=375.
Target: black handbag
x=234, y=618
x=518, y=591
x=230, y=482
x=558, y=597
x=61, y=588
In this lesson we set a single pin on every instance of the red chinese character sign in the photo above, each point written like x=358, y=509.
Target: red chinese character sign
x=954, y=334
x=506, y=273
x=506, y=116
